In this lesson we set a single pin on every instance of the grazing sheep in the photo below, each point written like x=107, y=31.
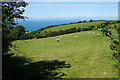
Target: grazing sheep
x=110, y=43
x=98, y=34
x=104, y=73
x=76, y=37
x=57, y=40
x=62, y=35
x=93, y=32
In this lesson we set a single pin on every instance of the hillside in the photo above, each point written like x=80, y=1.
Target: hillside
x=56, y=30
x=74, y=25
x=88, y=56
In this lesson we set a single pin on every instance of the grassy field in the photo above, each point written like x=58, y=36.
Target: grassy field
x=88, y=56
x=76, y=25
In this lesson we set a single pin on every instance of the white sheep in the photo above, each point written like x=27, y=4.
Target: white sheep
x=110, y=43
x=76, y=37
x=61, y=36
x=93, y=32
x=57, y=40
x=98, y=34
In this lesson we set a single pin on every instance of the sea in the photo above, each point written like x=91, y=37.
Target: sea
x=33, y=25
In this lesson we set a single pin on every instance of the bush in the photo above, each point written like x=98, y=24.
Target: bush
x=45, y=34
x=71, y=30
x=84, y=21
x=92, y=27
x=79, y=22
x=115, y=26
x=109, y=27
x=91, y=20
x=42, y=35
x=61, y=32
x=27, y=36
x=79, y=29
x=84, y=29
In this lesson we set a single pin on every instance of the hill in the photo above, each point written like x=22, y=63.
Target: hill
x=88, y=56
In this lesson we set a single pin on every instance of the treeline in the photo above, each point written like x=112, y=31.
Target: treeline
x=67, y=24
x=45, y=34
x=19, y=32
x=38, y=34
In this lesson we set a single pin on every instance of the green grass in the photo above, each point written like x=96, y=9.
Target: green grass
x=76, y=25
x=89, y=55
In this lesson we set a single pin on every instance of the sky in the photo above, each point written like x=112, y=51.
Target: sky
x=72, y=0
x=53, y=9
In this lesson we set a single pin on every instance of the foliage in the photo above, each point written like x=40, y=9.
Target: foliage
x=10, y=12
x=79, y=22
x=91, y=20
x=59, y=30
x=84, y=21
x=114, y=40
x=17, y=32
x=45, y=34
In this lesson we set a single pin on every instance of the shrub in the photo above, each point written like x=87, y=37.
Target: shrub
x=115, y=26
x=61, y=32
x=92, y=27
x=84, y=29
x=45, y=34
x=84, y=21
x=27, y=36
x=79, y=21
x=91, y=20
x=109, y=27
x=79, y=29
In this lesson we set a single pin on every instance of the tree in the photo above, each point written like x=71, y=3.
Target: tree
x=11, y=11
x=84, y=21
x=91, y=20
x=114, y=41
x=17, y=32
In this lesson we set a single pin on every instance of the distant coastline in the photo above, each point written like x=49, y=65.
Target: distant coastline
x=33, y=25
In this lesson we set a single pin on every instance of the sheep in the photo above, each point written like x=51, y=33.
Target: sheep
x=61, y=36
x=57, y=40
x=104, y=73
x=98, y=34
x=76, y=37
x=93, y=32
x=110, y=43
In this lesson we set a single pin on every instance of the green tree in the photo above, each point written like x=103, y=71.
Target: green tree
x=11, y=11
x=91, y=20
x=17, y=32
x=84, y=21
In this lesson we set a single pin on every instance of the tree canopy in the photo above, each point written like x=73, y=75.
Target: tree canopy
x=11, y=11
